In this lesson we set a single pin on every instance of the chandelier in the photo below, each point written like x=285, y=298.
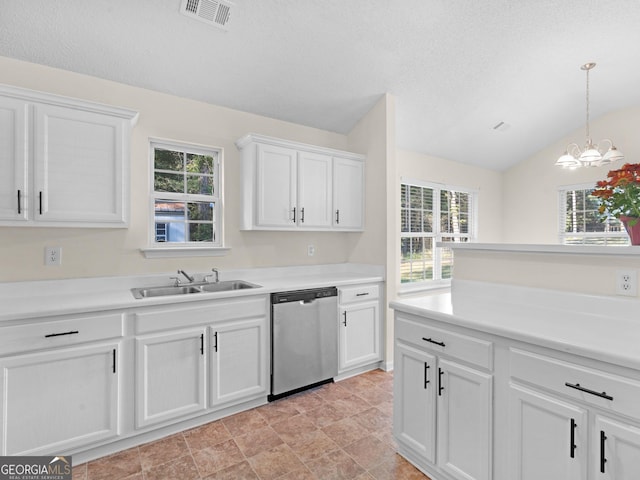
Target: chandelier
x=591, y=155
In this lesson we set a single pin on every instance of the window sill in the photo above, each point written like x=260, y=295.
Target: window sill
x=184, y=251
x=423, y=288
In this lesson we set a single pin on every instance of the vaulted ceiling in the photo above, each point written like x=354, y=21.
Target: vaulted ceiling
x=456, y=67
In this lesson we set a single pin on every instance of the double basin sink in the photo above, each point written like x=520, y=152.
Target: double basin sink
x=225, y=286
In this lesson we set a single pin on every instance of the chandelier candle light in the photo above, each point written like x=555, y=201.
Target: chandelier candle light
x=591, y=156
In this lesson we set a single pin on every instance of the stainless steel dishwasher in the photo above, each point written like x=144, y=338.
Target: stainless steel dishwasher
x=304, y=340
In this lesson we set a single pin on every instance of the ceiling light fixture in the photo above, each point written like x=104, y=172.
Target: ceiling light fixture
x=591, y=155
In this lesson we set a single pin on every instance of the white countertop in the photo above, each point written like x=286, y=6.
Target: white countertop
x=605, y=328
x=624, y=251
x=22, y=300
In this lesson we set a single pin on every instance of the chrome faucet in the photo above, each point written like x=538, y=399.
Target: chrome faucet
x=215, y=273
x=187, y=276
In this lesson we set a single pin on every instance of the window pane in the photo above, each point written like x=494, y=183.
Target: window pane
x=415, y=197
x=200, y=232
x=168, y=160
x=200, y=211
x=404, y=220
x=200, y=164
x=415, y=220
x=404, y=196
x=168, y=182
x=199, y=185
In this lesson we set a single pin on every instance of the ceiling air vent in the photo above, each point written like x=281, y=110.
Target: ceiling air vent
x=213, y=12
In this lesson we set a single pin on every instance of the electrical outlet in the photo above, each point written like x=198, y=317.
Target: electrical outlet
x=52, y=255
x=311, y=250
x=627, y=283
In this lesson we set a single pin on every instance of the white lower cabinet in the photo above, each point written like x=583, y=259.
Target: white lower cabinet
x=547, y=437
x=194, y=359
x=617, y=449
x=360, y=326
x=442, y=407
x=56, y=400
x=238, y=360
x=170, y=375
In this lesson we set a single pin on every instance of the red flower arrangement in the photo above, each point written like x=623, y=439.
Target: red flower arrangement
x=619, y=196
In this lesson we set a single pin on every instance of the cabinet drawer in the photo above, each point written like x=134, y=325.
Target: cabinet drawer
x=473, y=350
x=184, y=315
x=358, y=294
x=589, y=385
x=57, y=333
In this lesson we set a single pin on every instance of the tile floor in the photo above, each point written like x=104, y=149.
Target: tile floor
x=336, y=431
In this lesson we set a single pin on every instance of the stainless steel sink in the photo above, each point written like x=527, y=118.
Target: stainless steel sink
x=189, y=289
x=227, y=285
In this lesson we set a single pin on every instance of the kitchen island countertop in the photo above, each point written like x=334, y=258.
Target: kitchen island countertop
x=603, y=328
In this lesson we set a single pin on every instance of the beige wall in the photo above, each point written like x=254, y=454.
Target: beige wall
x=104, y=252
x=530, y=212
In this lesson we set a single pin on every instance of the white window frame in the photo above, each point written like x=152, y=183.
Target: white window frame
x=437, y=234
x=178, y=249
x=585, y=236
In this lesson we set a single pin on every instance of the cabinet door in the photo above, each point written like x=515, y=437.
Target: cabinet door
x=547, y=437
x=348, y=194
x=79, y=166
x=359, y=334
x=414, y=408
x=238, y=360
x=276, y=187
x=616, y=450
x=170, y=375
x=58, y=400
x=14, y=159
x=464, y=421
x=314, y=190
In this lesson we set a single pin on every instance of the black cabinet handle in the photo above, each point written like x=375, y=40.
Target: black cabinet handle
x=362, y=294
x=603, y=460
x=426, y=375
x=72, y=332
x=19, y=202
x=573, y=438
x=302, y=215
x=40, y=201
x=344, y=322
x=215, y=342
x=202, y=344
x=337, y=217
x=440, y=387
x=294, y=214
x=114, y=360
x=430, y=340
x=589, y=391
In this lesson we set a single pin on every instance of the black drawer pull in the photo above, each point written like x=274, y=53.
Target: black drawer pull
x=430, y=340
x=587, y=390
x=72, y=332
x=440, y=387
x=362, y=294
x=573, y=438
x=603, y=460
x=426, y=375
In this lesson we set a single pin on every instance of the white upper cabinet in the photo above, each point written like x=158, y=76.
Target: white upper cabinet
x=294, y=186
x=348, y=194
x=14, y=156
x=67, y=161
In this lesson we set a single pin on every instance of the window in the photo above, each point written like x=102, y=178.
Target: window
x=186, y=198
x=432, y=213
x=580, y=222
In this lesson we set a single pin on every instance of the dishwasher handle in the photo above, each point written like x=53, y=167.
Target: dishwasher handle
x=303, y=296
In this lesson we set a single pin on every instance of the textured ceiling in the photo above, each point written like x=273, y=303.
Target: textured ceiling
x=456, y=67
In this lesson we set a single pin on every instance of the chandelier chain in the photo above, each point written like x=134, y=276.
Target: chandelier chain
x=587, y=95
